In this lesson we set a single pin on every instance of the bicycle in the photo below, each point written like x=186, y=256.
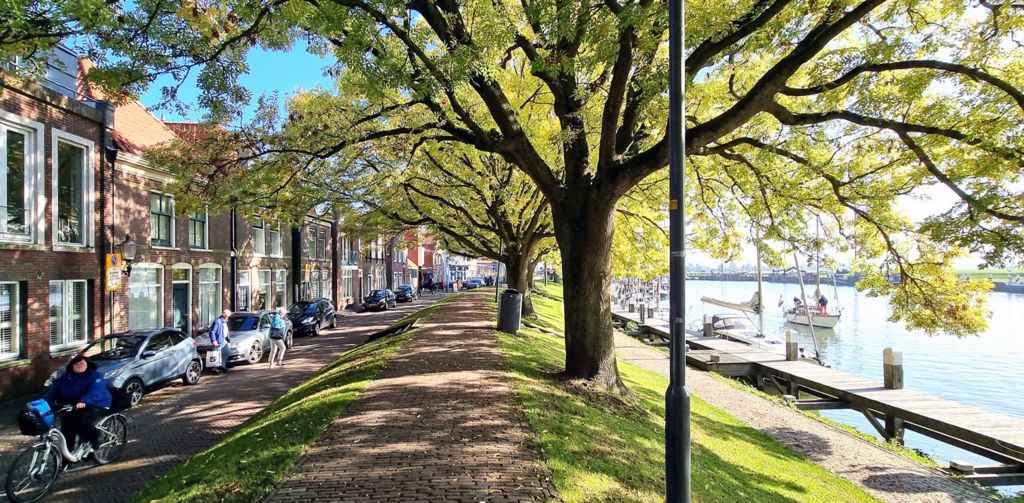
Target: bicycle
x=35, y=470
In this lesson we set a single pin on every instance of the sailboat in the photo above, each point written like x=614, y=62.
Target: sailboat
x=808, y=313
x=738, y=327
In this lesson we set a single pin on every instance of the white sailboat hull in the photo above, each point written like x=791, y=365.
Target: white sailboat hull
x=823, y=321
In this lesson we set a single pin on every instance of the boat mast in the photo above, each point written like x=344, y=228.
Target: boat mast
x=817, y=259
x=807, y=309
x=760, y=292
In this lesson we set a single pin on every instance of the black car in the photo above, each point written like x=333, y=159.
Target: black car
x=309, y=316
x=380, y=300
x=405, y=293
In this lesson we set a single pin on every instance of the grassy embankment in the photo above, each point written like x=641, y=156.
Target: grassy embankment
x=1001, y=275
x=248, y=463
x=605, y=449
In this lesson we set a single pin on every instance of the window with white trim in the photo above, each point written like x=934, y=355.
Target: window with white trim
x=161, y=219
x=15, y=174
x=71, y=195
x=275, y=240
x=325, y=284
x=321, y=244
x=10, y=321
x=314, y=284
x=280, y=288
x=263, y=295
x=68, y=313
x=146, y=297
x=346, y=282
x=209, y=294
x=198, y=230
x=259, y=237
x=244, y=291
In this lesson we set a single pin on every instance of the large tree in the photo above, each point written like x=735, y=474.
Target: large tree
x=797, y=108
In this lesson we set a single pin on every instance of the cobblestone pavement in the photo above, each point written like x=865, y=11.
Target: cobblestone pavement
x=439, y=424
x=177, y=421
x=885, y=474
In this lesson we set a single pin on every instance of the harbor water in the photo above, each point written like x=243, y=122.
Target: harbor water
x=985, y=371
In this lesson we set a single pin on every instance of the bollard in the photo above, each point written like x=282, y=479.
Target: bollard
x=632, y=307
x=643, y=320
x=709, y=329
x=792, y=346
x=892, y=378
x=650, y=312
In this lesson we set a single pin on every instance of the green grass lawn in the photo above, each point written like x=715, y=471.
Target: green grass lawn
x=248, y=463
x=1002, y=275
x=547, y=308
x=601, y=449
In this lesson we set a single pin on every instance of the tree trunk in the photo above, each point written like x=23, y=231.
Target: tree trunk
x=519, y=279
x=584, y=230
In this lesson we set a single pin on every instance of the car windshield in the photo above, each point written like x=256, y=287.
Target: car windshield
x=302, y=307
x=376, y=293
x=405, y=288
x=242, y=323
x=114, y=348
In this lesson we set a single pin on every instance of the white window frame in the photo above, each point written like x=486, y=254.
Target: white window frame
x=259, y=251
x=218, y=273
x=88, y=187
x=268, y=275
x=67, y=320
x=161, y=318
x=274, y=238
x=15, y=323
x=35, y=160
x=281, y=280
x=206, y=231
x=174, y=220
x=244, y=301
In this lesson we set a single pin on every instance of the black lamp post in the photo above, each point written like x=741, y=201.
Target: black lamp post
x=128, y=251
x=677, y=398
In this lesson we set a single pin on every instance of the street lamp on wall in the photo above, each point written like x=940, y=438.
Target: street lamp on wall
x=128, y=250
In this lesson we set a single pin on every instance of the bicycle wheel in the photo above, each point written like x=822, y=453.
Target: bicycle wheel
x=112, y=439
x=33, y=473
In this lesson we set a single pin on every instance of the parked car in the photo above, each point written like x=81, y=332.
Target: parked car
x=309, y=316
x=250, y=336
x=405, y=293
x=133, y=362
x=472, y=283
x=380, y=300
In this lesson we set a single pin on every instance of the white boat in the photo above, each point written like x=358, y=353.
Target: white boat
x=800, y=316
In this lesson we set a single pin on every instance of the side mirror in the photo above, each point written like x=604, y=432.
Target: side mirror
x=149, y=353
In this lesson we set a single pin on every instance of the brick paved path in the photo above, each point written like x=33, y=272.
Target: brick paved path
x=439, y=424
x=176, y=422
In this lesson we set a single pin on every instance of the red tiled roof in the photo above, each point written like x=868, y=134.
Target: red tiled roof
x=135, y=128
x=189, y=131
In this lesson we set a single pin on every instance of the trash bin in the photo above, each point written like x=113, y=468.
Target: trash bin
x=509, y=311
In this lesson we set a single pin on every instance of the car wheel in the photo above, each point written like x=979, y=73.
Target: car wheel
x=133, y=391
x=334, y=321
x=288, y=339
x=192, y=372
x=255, y=353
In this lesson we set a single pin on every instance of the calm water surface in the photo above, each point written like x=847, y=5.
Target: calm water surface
x=986, y=371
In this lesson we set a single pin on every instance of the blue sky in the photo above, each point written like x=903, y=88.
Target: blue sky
x=284, y=72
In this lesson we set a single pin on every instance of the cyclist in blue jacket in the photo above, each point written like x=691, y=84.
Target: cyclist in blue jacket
x=83, y=387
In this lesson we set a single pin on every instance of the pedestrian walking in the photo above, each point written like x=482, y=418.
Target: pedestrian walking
x=220, y=339
x=277, y=344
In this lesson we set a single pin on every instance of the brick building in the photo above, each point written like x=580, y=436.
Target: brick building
x=51, y=164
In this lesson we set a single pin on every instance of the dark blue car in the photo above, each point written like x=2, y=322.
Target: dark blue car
x=135, y=361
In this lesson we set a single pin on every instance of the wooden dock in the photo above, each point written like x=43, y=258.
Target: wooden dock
x=887, y=407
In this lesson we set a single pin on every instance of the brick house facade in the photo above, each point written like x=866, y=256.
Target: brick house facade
x=51, y=165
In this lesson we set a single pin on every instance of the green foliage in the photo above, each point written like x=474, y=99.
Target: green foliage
x=602, y=449
x=797, y=109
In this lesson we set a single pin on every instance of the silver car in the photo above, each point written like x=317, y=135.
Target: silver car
x=133, y=362
x=250, y=336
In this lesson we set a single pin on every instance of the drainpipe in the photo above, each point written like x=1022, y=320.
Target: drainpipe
x=108, y=187
x=296, y=263
x=234, y=259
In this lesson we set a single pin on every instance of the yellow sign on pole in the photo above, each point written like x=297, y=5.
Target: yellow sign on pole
x=113, y=272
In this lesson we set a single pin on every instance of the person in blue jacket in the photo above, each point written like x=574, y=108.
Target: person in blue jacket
x=83, y=387
x=220, y=340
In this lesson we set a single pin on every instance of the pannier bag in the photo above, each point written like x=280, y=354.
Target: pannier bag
x=36, y=419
